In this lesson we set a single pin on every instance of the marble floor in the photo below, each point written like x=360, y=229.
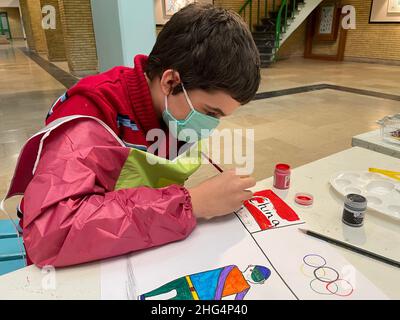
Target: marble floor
x=297, y=72
x=296, y=129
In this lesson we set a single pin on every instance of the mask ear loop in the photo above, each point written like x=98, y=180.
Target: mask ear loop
x=166, y=99
x=166, y=102
x=187, y=97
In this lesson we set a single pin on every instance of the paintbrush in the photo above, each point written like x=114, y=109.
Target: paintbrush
x=211, y=162
x=352, y=248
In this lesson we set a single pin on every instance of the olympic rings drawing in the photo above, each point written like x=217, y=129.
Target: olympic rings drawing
x=336, y=274
x=320, y=287
x=326, y=280
x=310, y=256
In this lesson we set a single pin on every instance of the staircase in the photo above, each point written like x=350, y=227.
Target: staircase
x=3, y=39
x=273, y=21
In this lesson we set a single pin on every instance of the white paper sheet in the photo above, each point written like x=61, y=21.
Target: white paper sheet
x=301, y=267
x=114, y=279
x=313, y=268
x=213, y=245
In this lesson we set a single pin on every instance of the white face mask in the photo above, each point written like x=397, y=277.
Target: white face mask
x=201, y=124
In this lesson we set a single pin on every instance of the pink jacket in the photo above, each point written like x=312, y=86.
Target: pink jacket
x=67, y=174
x=72, y=214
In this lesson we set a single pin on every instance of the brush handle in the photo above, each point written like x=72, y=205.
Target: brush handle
x=354, y=249
x=211, y=162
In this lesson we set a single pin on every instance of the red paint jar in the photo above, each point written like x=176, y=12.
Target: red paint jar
x=304, y=199
x=282, y=176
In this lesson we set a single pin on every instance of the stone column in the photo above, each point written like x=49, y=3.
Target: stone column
x=55, y=37
x=32, y=19
x=79, y=39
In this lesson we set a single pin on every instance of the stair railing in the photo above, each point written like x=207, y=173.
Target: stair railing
x=249, y=5
x=294, y=8
x=242, y=11
x=281, y=19
x=247, y=10
x=279, y=27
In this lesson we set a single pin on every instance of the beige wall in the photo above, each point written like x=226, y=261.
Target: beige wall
x=14, y=19
x=372, y=41
x=294, y=46
x=368, y=42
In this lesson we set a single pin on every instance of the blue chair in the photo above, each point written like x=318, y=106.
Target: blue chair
x=12, y=252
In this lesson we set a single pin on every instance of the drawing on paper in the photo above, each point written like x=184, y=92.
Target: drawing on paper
x=325, y=279
x=327, y=15
x=266, y=210
x=212, y=284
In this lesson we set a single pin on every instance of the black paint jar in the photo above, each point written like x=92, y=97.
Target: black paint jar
x=355, y=206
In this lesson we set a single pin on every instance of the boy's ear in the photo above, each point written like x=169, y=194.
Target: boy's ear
x=169, y=80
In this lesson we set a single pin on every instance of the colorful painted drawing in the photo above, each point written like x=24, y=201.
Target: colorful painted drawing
x=211, y=285
x=325, y=280
x=266, y=210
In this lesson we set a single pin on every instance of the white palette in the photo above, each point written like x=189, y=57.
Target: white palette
x=382, y=193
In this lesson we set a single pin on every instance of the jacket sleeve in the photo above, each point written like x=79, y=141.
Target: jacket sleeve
x=73, y=215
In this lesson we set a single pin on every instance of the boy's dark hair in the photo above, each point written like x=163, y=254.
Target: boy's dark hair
x=211, y=48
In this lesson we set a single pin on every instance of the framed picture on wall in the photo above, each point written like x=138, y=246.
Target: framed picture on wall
x=385, y=11
x=327, y=25
x=314, y=27
x=165, y=9
x=170, y=7
x=394, y=6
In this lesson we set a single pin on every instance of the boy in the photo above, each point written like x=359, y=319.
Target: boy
x=203, y=66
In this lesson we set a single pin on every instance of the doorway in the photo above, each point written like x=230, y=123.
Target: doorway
x=5, y=25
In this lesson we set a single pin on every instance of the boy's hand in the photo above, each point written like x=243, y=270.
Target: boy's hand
x=221, y=194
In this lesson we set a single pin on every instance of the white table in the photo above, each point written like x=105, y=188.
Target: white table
x=379, y=233
x=372, y=140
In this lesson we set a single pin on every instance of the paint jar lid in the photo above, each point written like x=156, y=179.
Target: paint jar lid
x=304, y=199
x=282, y=167
x=356, y=202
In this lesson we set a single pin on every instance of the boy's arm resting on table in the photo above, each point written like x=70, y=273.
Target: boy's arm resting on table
x=72, y=215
